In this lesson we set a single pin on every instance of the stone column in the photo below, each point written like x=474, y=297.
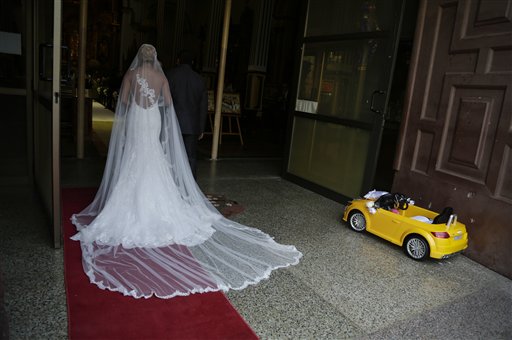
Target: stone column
x=258, y=56
x=124, y=43
x=211, y=55
x=81, y=126
x=177, y=38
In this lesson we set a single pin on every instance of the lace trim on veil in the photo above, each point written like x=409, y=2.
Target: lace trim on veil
x=145, y=90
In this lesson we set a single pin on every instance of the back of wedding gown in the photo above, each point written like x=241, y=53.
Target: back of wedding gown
x=150, y=230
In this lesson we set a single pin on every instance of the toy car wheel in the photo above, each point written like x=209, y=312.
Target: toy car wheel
x=357, y=221
x=416, y=248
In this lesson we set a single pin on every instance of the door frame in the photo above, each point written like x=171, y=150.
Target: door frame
x=50, y=179
x=56, y=194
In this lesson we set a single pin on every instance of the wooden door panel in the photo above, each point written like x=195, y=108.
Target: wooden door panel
x=482, y=23
x=504, y=180
x=456, y=140
x=500, y=60
x=469, y=129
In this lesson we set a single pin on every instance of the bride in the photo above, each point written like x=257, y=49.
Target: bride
x=150, y=230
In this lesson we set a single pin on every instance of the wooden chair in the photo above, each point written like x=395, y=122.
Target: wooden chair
x=230, y=111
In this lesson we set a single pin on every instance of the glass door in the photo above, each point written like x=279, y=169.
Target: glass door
x=47, y=56
x=348, y=54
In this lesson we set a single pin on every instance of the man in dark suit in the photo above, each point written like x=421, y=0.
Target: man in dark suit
x=190, y=99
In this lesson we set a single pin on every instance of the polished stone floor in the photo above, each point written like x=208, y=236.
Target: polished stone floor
x=348, y=285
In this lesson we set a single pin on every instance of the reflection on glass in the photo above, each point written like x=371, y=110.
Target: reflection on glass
x=337, y=77
x=351, y=16
x=307, y=97
x=333, y=156
x=307, y=91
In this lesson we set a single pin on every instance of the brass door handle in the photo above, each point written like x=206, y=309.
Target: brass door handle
x=374, y=93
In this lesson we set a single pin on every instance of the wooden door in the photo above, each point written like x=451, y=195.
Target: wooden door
x=456, y=139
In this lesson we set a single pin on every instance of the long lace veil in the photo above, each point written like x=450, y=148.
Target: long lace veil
x=228, y=256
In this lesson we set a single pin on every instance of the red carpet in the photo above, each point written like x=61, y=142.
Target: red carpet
x=94, y=313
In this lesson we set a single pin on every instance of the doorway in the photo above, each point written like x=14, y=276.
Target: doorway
x=264, y=88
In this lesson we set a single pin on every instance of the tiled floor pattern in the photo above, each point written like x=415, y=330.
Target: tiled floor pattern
x=348, y=285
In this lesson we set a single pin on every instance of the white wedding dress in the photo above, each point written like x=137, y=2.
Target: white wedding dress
x=145, y=209
x=150, y=230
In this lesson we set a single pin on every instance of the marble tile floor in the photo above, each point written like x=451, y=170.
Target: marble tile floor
x=347, y=286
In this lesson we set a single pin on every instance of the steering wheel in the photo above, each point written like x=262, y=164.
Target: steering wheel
x=401, y=201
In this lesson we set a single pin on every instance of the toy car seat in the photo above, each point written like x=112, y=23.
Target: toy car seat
x=385, y=201
x=392, y=201
x=444, y=216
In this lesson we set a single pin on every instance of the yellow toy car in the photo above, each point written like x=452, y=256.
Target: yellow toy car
x=421, y=232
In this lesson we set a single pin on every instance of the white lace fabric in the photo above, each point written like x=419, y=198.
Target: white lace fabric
x=150, y=231
x=145, y=90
